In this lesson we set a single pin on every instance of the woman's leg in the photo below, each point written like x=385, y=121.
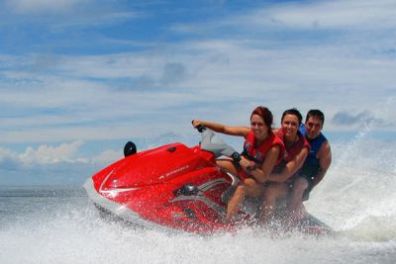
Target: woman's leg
x=295, y=205
x=236, y=200
x=228, y=165
x=253, y=189
x=250, y=188
x=271, y=194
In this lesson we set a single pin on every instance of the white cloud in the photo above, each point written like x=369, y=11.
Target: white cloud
x=46, y=154
x=44, y=165
x=329, y=14
x=61, y=154
x=39, y=6
x=218, y=77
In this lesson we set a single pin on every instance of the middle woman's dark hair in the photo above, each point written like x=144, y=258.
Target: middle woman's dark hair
x=265, y=114
x=293, y=111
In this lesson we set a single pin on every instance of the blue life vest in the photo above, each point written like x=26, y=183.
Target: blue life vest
x=311, y=165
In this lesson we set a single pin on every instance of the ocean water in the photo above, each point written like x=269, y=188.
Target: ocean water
x=357, y=198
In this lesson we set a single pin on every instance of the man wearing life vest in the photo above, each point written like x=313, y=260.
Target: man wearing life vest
x=262, y=151
x=316, y=164
x=296, y=150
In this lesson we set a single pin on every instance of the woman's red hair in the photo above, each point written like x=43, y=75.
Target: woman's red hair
x=265, y=114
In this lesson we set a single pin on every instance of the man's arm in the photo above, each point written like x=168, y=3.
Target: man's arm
x=324, y=156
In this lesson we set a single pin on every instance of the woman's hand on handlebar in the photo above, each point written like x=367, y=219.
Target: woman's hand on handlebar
x=196, y=123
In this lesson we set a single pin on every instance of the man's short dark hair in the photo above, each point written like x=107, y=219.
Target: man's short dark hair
x=315, y=113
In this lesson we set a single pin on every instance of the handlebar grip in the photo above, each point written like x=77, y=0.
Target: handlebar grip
x=200, y=128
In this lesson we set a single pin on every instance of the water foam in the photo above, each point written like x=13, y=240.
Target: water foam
x=357, y=196
x=75, y=233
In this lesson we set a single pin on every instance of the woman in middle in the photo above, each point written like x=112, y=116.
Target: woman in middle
x=296, y=150
x=262, y=150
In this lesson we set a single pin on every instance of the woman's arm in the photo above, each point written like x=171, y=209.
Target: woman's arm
x=290, y=168
x=261, y=173
x=217, y=127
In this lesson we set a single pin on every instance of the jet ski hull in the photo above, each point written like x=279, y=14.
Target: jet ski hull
x=171, y=187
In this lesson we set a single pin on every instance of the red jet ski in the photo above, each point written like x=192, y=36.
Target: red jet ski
x=175, y=187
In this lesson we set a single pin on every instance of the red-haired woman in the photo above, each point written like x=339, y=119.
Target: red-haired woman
x=262, y=150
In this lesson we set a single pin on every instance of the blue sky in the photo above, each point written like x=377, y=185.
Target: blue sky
x=80, y=77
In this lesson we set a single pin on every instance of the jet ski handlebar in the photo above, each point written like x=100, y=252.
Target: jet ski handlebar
x=200, y=128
